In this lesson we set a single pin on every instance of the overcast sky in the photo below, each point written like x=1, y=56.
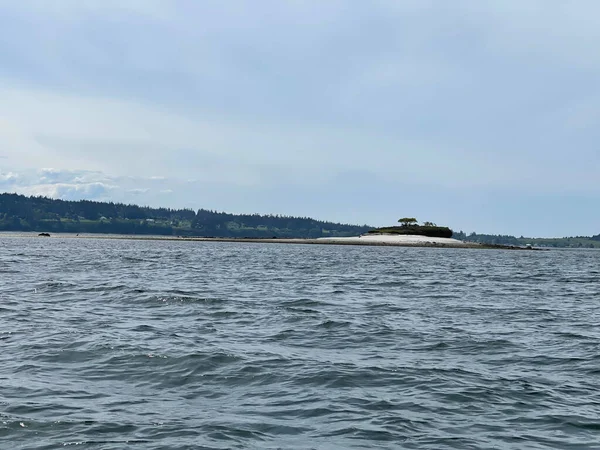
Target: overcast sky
x=483, y=116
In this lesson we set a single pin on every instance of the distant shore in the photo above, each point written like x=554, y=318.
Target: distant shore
x=364, y=240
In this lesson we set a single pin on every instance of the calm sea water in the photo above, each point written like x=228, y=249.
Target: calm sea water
x=111, y=344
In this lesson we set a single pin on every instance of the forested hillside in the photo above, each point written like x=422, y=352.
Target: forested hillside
x=563, y=242
x=21, y=213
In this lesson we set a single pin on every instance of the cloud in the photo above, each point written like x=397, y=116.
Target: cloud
x=90, y=191
x=70, y=132
x=61, y=184
x=138, y=191
x=8, y=177
x=56, y=176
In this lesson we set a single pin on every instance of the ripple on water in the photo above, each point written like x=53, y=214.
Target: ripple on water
x=203, y=345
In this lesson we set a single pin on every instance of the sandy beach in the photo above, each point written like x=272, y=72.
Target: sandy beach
x=388, y=239
x=365, y=240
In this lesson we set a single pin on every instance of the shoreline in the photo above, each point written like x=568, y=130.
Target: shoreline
x=369, y=241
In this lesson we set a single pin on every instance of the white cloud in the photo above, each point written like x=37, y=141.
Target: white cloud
x=138, y=191
x=63, y=191
x=9, y=177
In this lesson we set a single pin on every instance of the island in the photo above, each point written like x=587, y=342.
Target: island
x=410, y=234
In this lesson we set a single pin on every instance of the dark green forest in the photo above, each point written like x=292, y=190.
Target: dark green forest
x=42, y=214
x=562, y=242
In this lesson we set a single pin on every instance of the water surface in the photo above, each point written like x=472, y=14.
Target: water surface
x=112, y=344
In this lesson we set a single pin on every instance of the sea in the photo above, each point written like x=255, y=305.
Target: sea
x=118, y=344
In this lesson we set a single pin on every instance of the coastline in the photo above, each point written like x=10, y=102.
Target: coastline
x=370, y=240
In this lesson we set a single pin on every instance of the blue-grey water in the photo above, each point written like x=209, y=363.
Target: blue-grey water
x=112, y=344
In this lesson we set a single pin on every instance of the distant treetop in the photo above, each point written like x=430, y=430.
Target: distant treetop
x=408, y=221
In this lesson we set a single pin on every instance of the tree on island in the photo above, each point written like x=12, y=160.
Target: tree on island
x=408, y=221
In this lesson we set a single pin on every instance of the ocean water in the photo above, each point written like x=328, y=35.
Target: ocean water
x=112, y=344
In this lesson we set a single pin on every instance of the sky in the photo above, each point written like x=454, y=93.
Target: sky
x=482, y=116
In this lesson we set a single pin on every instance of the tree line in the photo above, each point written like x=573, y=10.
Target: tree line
x=22, y=213
x=563, y=242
